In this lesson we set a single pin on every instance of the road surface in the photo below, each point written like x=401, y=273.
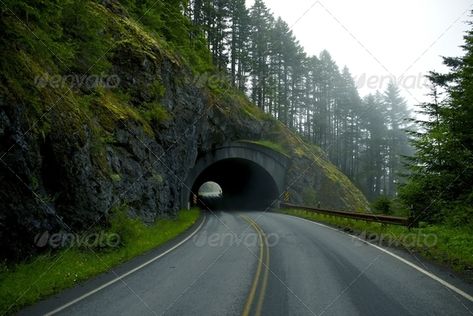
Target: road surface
x=256, y=263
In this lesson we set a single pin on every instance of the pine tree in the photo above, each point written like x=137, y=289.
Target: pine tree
x=307, y=93
x=397, y=113
x=373, y=155
x=261, y=23
x=440, y=187
x=239, y=61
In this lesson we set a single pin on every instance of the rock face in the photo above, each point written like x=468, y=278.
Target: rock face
x=61, y=180
x=322, y=185
x=66, y=166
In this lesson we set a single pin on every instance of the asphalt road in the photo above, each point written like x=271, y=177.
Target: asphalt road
x=271, y=264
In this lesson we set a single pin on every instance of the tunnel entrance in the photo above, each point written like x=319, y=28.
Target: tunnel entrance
x=244, y=185
x=251, y=176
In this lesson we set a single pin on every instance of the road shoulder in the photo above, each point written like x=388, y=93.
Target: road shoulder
x=56, y=301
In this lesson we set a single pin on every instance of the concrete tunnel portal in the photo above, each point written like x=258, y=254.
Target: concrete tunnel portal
x=251, y=176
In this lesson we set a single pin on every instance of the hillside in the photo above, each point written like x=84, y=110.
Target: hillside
x=98, y=111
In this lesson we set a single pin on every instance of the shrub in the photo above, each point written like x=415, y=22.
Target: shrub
x=382, y=205
x=155, y=112
x=127, y=228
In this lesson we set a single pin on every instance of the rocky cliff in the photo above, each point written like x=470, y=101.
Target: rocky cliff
x=71, y=154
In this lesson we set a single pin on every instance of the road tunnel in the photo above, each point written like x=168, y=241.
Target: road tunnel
x=244, y=185
x=248, y=175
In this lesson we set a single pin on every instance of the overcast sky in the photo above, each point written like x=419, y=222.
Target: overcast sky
x=377, y=39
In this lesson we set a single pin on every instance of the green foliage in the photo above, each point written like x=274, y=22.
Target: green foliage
x=115, y=177
x=382, y=205
x=271, y=145
x=41, y=17
x=342, y=185
x=309, y=196
x=164, y=19
x=68, y=34
x=439, y=188
x=85, y=32
x=127, y=228
x=157, y=89
x=458, y=214
x=254, y=112
x=155, y=112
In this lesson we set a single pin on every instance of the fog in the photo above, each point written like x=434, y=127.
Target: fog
x=380, y=40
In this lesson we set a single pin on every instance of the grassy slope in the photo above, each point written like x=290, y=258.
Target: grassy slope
x=289, y=142
x=271, y=145
x=445, y=245
x=29, y=282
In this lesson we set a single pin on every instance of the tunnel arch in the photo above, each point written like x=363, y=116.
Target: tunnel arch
x=248, y=173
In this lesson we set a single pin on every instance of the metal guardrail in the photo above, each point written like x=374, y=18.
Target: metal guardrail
x=384, y=219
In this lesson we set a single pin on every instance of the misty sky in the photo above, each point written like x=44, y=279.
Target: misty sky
x=376, y=39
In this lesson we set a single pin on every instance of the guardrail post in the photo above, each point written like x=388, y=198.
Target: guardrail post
x=277, y=204
x=412, y=221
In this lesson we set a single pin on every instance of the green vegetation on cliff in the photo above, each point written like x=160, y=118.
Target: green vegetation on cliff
x=333, y=184
x=43, y=45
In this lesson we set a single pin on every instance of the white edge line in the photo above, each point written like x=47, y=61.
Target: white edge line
x=427, y=273
x=80, y=298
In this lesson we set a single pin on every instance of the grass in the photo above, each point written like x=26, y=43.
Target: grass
x=26, y=283
x=156, y=112
x=271, y=145
x=252, y=110
x=451, y=246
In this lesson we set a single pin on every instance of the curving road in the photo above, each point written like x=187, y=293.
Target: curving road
x=270, y=264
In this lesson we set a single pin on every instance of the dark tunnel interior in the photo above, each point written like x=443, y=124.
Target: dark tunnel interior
x=245, y=186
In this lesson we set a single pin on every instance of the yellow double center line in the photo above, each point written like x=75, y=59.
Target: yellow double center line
x=260, y=280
